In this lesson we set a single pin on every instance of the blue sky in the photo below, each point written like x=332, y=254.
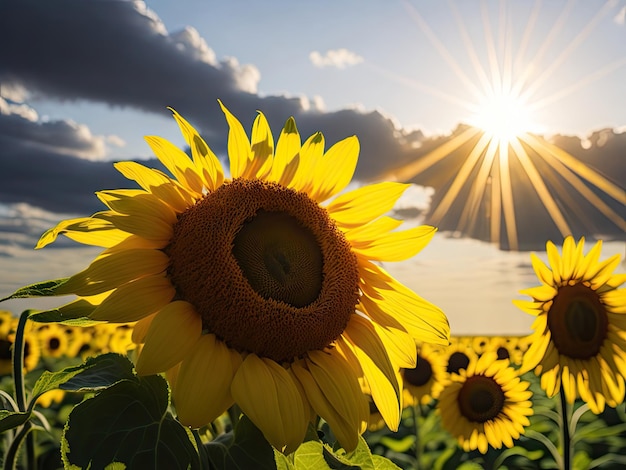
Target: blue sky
x=82, y=81
x=406, y=57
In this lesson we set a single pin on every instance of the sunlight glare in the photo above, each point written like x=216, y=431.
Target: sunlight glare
x=503, y=117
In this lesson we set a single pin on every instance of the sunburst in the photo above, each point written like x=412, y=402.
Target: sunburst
x=507, y=162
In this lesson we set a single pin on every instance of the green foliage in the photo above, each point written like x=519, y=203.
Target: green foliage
x=40, y=289
x=128, y=423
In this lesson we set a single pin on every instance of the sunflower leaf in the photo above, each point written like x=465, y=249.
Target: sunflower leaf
x=245, y=448
x=128, y=423
x=94, y=374
x=12, y=419
x=40, y=289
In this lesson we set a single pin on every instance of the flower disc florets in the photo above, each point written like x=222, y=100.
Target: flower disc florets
x=266, y=269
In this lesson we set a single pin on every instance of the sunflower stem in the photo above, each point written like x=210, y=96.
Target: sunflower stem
x=417, y=415
x=566, y=442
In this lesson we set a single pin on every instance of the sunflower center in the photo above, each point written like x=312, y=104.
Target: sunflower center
x=280, y=258
x=578, y=321
x=266, y=268
x=420, y=374
x=481, y=398
x=456, y=362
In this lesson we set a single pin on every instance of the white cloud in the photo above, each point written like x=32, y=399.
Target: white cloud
x=620, y=18
x=115, y=141
x=339, y=58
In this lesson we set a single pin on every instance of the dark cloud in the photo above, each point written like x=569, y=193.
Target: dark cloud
x=120, y=53
x=604, y=153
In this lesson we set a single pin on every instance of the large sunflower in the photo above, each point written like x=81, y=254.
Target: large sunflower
x=486, y=404
x=579, y=339
x=249, y=290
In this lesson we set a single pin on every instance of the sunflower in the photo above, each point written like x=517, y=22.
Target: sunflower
x=579, y=339
x=458, y=355
x=53, y=339
x=486, y=404
x=252, y=289
x=424, y=382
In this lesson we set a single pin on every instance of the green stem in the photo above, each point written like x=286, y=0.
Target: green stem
x=18, y=362
x=11, y=456
x=417, y=414
x=565, y=431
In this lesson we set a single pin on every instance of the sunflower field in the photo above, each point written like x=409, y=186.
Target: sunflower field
x=242, y=318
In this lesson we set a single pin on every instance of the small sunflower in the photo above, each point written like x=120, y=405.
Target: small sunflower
x=253, y=290
x=458, y=355
x=53, y=339
x=424, y=382
x=579, y=339
x=485, y=404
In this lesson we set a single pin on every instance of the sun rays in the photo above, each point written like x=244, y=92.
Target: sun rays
x=507, y=165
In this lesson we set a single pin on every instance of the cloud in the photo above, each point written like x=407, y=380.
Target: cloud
x=620, y=18
x=121, y=53
x=339, y=58
x=20, y=127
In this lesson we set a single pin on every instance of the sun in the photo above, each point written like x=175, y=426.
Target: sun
x=503, y=116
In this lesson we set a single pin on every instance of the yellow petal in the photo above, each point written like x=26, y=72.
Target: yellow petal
x=144, y=225
x=267, y=394
x=207, y=164
x=171, y=336
x=569, y=257
x=157, y=183
x=138, y=205
x=347, y=433
x=86, y=230
x=390, y=303
x=396, y=246
x=140, y=330
x=262, y=148
x=555, y=262
x=311, y=152
x=111, y=271
x=177, y=162
x=202, y=391
x=287, y=150
x=365, y=204
x=335, y=169
x=136, y=299
x=386, y=396
x=238, y=145
x=372, y=230
x=543, y=272
x=399, y=345
x=339, y=384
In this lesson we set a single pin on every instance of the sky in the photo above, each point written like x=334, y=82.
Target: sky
x=82, y=81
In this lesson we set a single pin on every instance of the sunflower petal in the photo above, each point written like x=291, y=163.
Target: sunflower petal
x=543, y=272
x=111, y=271
x=202, y=391
x=347, y=432
x=177, y=162
x=135, y=300
x=238, y=145
x=262, y=148
x=310, y=154
x=207, y=164
x=86, y=230
x=171, y=336
x=396, y=246
x=268, y=395
x=287, y=151
x=362, y=205
x=335, y=169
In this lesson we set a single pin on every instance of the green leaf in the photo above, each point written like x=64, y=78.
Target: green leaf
x=94, y=374
x=312, y=455
x=244, y=449
x=360, y=457
x=128, y=423
x=40, y=289
x=398, y=445
x=75, y=313
x=12, y=419
x=335, y=460
x=381, y=463
x=282, y=461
